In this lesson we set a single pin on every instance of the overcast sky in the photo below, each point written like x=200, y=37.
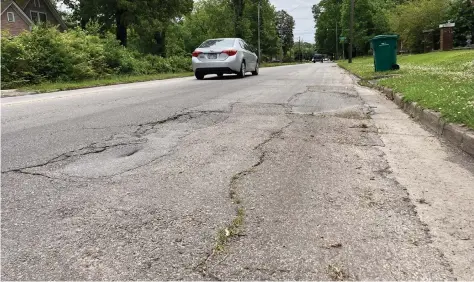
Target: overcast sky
x=301, y=12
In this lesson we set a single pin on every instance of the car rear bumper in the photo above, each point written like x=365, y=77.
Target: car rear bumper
x=230, y=65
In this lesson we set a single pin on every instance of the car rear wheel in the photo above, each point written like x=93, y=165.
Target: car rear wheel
x=255, y=72
x=242, y=71
x=199, y=75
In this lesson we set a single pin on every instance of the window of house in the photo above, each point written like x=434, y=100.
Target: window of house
x=36, y=3
x=42, y=17
x=11, y=17
x=38, y=17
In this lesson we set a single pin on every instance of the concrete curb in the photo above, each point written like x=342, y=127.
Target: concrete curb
x=461, y=137
x=14, y=93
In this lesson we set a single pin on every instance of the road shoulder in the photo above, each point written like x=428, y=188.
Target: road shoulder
x=438, y=178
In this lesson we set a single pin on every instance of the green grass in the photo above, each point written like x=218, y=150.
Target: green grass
x=60, y=86
x=441, y=81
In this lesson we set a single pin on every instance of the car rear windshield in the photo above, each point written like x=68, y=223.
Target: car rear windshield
x=219, y=43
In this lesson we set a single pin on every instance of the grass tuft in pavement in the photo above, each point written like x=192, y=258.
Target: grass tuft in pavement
x=441, y=81
x=234, y=229
x=336, y=273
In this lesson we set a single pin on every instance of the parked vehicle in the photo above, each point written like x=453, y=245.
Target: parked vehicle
x=318, y=58
x=224, y=56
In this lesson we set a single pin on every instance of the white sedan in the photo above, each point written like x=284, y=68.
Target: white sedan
x=224, y=56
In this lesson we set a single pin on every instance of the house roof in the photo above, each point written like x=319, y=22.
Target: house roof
x=14, y=5
x=5, y=5
x=21, y=5
x=54, y=11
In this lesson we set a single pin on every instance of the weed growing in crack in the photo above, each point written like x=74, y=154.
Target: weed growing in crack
x=234, y=229
x=422, y=201
x=224, y=235
x=336, y=273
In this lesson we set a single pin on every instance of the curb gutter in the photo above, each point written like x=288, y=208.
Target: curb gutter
x=14, y=93
x=460, y=136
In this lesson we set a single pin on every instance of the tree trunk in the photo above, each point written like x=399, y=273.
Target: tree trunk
x=84, y=23
x=121, y=31
x=239, y=12
x=84, y=17
x=160, y=38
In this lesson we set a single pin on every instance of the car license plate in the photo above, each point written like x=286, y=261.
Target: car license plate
x=212, y=56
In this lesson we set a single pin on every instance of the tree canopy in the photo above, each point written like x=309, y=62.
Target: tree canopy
x=407, y=18
x=176, y=27
x=285, y=26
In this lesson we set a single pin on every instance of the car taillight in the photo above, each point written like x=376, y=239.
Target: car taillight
x=230, y=52
x=196, y=53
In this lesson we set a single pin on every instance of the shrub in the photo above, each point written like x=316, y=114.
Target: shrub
x=16, y=67
x=45, y=54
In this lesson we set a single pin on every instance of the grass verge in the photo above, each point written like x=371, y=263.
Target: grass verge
x=60, y=86
x=440, y=81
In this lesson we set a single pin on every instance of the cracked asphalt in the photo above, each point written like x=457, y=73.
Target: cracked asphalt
x=295, y=174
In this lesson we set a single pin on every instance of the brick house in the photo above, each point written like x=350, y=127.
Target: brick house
x=20, y=15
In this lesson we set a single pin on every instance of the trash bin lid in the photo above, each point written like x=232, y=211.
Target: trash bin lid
x=387, y=36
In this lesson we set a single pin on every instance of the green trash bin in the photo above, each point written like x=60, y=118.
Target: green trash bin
x=385, y=52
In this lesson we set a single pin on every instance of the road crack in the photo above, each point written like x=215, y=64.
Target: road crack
x=234, y=229
x=145, y=128
x=295, y=96
x=93, y=148
x=97, y=147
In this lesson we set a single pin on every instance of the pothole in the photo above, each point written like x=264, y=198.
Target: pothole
x=329, y=99
x=130, y=153
x=352, y=114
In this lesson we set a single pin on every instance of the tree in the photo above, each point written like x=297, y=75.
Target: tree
x=412, y=17
x=268, y=21
x=125, y=14
x=363, y=24
x=303, y=51
x=371, y=19
x=205, y=22
x=285, y=25
x=327, y=15
x=208, y=18
x=461, y=12
x=238, y=7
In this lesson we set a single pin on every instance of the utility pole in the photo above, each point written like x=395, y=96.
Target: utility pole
x=343, y=55
x=259, y=49
x=301, y=53
x=337, y=44
x=351, y=32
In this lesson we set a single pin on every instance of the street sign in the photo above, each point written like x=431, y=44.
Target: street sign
x=342, y=39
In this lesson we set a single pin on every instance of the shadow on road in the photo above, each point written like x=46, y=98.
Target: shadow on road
x=226, y=77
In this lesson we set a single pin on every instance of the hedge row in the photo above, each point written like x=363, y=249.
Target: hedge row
x=45, y=54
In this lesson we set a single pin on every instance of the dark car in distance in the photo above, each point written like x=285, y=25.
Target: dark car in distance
x=318, y=58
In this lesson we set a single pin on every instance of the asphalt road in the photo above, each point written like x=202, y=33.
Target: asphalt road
x=295, y=174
